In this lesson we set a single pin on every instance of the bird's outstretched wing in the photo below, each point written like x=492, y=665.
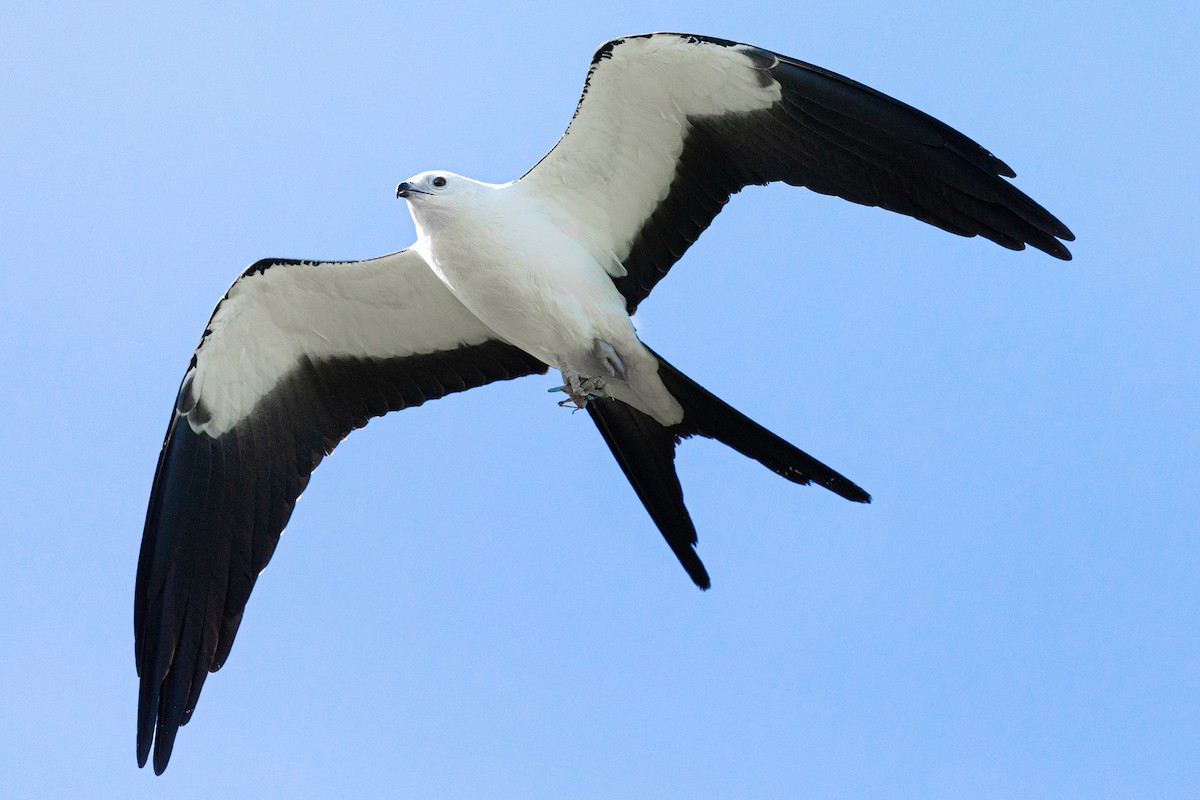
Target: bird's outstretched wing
x=296, y=356
x=670, y=125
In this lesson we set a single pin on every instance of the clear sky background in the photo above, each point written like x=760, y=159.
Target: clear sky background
x=470, y=602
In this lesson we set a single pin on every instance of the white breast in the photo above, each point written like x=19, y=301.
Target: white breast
x=527, y=279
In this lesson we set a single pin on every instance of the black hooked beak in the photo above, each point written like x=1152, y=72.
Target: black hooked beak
x=405, y=189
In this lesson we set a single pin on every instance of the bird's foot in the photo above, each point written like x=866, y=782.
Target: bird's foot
x=581, y=391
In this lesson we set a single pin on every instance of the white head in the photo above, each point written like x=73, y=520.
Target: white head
x=438, y=193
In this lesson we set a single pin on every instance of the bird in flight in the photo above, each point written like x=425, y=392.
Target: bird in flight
x=514, y=279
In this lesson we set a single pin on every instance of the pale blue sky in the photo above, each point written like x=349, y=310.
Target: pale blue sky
x=470, y=602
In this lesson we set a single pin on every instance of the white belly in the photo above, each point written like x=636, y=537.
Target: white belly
x=552, y=300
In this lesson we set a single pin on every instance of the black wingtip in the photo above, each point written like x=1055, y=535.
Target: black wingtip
x=164, y=743
x=1054, y=247
x=999, y=166
x=158, y=736
x=147, y=706
x=854, y=493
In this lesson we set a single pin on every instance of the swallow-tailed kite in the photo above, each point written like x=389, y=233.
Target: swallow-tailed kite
x=514, y=279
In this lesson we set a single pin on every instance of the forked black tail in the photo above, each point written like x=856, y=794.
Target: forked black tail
x=646, y=452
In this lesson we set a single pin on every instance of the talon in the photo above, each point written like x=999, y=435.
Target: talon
x=570, y=403
x=594, y=389
x=581, y=392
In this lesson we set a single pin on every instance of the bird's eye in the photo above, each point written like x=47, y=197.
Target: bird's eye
x=439, y=181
